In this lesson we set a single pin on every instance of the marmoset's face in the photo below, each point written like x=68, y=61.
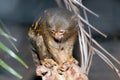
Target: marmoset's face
x=61, y=32
x=57, y=33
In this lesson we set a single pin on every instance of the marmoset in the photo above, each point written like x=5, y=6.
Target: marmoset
x=53, y=36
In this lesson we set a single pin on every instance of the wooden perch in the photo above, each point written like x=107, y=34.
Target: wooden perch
x=72, y=72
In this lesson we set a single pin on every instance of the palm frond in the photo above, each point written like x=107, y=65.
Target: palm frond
x=5, y=32
x=9, y=51
x=12, y=54
x=9, y=69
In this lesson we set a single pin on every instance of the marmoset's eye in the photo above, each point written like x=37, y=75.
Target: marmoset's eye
x=53, y=31
x=61, y=31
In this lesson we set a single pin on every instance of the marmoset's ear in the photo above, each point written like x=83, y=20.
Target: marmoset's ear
x=74, y=18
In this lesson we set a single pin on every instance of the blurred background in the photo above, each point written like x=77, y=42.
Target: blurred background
x=18, y=16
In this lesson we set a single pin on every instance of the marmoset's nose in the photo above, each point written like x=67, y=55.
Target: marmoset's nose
x=58, y=35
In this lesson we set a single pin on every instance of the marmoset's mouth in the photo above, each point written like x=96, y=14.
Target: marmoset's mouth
x=58, y=40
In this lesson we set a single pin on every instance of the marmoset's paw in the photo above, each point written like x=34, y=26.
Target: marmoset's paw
x=48, y=62
x=73, y=60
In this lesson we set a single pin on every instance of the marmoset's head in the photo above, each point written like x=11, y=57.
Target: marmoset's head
x=61, y=23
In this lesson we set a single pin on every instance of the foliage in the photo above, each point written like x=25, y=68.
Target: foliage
x=9, y=52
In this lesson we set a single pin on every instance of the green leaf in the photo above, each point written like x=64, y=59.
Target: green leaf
x=9, y=69
x=12, y=54
x=8, y=36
